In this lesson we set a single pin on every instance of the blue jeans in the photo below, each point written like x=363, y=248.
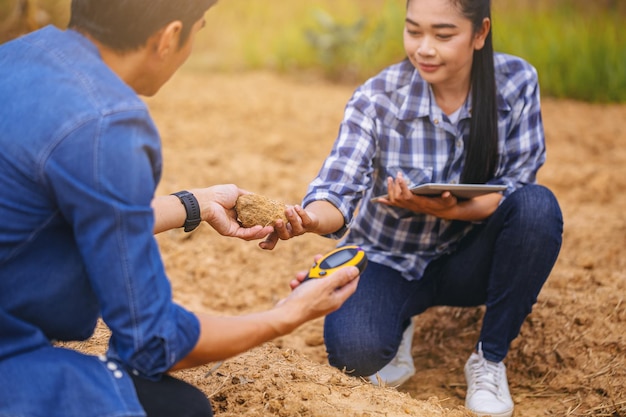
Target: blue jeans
x=170, y=396
x=502, y=264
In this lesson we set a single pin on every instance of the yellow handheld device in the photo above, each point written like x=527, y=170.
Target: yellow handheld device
x=336, y=259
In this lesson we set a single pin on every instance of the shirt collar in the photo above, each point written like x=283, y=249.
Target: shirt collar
x=417, y=99
x=83, y=41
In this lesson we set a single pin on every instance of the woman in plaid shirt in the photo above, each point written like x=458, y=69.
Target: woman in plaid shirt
x=452, y=112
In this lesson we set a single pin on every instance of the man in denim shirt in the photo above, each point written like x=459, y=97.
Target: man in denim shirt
x=80, y=162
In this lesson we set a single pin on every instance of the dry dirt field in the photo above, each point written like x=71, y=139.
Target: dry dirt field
x=269, y=134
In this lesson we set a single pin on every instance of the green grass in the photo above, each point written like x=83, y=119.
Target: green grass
x=354, y=38
x=579, y=56
x=577, y=46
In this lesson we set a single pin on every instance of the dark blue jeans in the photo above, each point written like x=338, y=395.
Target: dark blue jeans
x=170, y=396
x=502, y=264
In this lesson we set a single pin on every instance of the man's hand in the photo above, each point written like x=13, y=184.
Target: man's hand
x=321, y=296
x=217, y=207
x=222, y=337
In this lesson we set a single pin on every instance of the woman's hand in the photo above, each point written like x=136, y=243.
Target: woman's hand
x=320, y=217
x=299, y=222
x=399, y=195
x=446, y=206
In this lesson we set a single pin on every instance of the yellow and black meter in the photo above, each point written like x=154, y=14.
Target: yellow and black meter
x=336, y=259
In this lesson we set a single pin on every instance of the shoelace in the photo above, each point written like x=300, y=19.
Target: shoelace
x=486, y=376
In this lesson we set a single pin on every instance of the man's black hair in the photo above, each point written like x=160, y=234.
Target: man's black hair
x=126, y=25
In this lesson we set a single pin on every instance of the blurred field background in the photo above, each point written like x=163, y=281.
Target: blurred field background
x=578, y=46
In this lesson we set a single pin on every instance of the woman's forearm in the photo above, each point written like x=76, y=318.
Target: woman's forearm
x=477, y=208
x=329, y=217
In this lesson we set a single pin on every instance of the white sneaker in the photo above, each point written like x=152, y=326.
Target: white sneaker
x=401, y=367
x=487, y=387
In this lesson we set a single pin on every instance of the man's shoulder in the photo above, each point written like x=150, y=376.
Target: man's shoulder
x=63, y=66
x=57, y=84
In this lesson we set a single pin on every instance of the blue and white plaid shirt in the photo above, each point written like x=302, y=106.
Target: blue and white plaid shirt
x=392, y=123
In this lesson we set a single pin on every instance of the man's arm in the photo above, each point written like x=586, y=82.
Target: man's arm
x=224, y=337
x=217, y=207
x=169, y=213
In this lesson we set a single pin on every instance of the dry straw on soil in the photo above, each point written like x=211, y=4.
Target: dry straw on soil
x=269, y=134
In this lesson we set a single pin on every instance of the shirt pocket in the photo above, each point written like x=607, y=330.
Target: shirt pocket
x=398, y=213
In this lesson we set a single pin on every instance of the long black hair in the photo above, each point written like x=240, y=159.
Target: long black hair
x=482, y=147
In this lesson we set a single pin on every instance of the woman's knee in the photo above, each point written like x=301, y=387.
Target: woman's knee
x=536, y=207
x=357, y=353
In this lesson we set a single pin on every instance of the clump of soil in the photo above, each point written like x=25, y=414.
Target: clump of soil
x=255, y=209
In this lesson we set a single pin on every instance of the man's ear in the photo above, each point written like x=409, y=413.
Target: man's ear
x=481, y=35
x=166, y=40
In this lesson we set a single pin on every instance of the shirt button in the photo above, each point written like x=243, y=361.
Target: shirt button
x=112, y=366
x=118, y=374
x=459, y=143
x=436, y=121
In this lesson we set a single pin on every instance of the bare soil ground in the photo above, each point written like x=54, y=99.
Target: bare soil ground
x=269, y=134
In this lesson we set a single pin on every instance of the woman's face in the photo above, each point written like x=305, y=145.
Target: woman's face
x=440, y=42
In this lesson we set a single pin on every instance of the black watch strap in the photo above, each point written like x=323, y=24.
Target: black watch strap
x=192, y=208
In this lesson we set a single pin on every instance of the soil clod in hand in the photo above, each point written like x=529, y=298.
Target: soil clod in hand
x=255, y=209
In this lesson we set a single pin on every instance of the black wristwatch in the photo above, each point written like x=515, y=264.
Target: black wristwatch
x=192, y=208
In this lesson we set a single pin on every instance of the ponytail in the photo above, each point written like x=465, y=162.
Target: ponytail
x=482, y=146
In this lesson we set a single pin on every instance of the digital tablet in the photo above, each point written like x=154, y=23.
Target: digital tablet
x=462, y=191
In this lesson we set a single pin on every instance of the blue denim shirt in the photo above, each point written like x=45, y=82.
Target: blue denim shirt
x=80, y=159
